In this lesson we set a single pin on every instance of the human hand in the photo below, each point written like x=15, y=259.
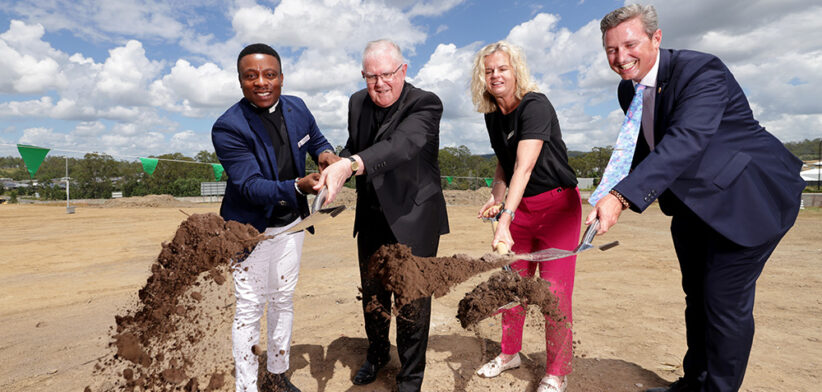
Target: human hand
x=326, y=159
x=333, y=177
x=607, y=210
x=306, y=184
x=490, y=209
x=502, y=241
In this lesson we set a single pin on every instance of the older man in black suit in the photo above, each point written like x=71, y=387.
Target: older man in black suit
x=392, y=149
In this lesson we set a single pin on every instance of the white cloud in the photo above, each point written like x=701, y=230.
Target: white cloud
x=89, y=129
x=26, y=108
x=195, y=91
x=26, y=63
x=432, y=8
x=108, y=20
x=126, y=74
x=189, y=140
x=344, y=24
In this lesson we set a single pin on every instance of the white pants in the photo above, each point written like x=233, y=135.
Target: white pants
x=268, y=275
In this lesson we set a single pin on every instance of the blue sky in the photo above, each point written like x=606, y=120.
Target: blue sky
x=144, y=77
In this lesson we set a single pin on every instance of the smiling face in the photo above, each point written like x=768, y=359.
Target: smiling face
x=631, y=52
x=261, y=79
x=385, y=90
x=500, y=79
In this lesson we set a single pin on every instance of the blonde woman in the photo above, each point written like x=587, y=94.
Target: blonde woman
x=541, y=206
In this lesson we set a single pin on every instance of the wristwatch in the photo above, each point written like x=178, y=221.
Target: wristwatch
x=507, y=211
x=354, y=166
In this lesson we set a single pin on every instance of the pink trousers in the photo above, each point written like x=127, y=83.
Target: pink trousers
x=551, y=219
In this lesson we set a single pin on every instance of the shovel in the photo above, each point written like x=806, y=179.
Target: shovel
x=584, y=244
x=551, y=253
x=318, y=214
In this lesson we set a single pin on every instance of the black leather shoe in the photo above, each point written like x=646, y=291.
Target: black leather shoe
x=278, y=382
x=367, y=373
x=681, y=385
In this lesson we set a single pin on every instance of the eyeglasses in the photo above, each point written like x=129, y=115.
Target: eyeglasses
x=386, y=76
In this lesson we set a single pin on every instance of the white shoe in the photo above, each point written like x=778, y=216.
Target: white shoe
x=553, y=384
x=495, y=366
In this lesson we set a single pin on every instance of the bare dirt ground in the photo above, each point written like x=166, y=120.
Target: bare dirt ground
x=64, y=277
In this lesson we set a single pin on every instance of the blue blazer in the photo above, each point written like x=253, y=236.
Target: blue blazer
x=246, y=152
x=711, y=156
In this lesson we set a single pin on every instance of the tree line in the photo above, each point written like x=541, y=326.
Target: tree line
x=96, y=176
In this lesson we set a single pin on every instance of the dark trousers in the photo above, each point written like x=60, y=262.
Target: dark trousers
x=412, y=321
x=719, y=280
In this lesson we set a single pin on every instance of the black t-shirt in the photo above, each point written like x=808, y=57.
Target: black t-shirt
x=534, y=118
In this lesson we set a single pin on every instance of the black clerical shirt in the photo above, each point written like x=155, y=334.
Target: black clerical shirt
x=274, y=123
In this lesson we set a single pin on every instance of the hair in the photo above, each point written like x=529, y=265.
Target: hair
x=261, y=49
x=645, y=13
x=483, y=100
x=382, y=46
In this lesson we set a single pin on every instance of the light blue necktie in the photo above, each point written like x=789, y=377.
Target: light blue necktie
x=620, y=163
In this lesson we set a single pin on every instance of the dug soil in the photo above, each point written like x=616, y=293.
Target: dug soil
x=411, y=277
x=160, y=340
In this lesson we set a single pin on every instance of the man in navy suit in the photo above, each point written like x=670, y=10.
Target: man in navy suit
x=732, y=188
x=261, y=142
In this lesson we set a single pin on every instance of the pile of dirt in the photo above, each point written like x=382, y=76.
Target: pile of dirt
x=160, y=343
x=412, y=277
x=348, y=197
x=147, y=201
x=503, y=288
x=476, y=197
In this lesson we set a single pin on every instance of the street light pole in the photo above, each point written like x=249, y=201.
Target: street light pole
x=819, y=166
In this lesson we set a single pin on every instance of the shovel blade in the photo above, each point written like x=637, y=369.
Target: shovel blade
x=547, y=254
x=316, y=217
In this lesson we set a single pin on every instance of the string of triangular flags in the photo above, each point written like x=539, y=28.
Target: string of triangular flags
x=33, y=157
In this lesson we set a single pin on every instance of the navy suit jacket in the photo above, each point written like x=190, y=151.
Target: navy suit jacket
x=402, y=164
x=711, y=156
x=245, y=150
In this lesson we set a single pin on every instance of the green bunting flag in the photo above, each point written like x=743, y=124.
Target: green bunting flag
x=449, y=179
x=32, y=156
x=489, y=181
x=149, y=164
x=218, y=171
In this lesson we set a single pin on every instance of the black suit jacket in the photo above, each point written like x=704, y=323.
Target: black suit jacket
x=711, y=156
x=402, y=163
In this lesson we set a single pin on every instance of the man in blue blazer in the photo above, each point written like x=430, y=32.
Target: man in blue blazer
x=732, y=188
x=261, y=142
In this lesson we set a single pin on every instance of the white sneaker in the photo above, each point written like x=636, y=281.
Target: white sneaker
x=495, y=366
x=553, y=384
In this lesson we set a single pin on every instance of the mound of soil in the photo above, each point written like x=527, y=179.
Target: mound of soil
x=411, y=277
x=146, y=201
x=160, y=340
x=502, y=288
x=467, y=197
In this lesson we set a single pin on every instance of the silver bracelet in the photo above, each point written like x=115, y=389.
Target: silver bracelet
x=297, y=188
x=509, y=213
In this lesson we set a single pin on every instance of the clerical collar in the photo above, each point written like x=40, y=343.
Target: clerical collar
x=650, y=78
x=270, y=109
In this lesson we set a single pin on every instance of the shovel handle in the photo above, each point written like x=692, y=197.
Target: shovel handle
x=502, y=247
x=590, y=232
x=319, y=200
